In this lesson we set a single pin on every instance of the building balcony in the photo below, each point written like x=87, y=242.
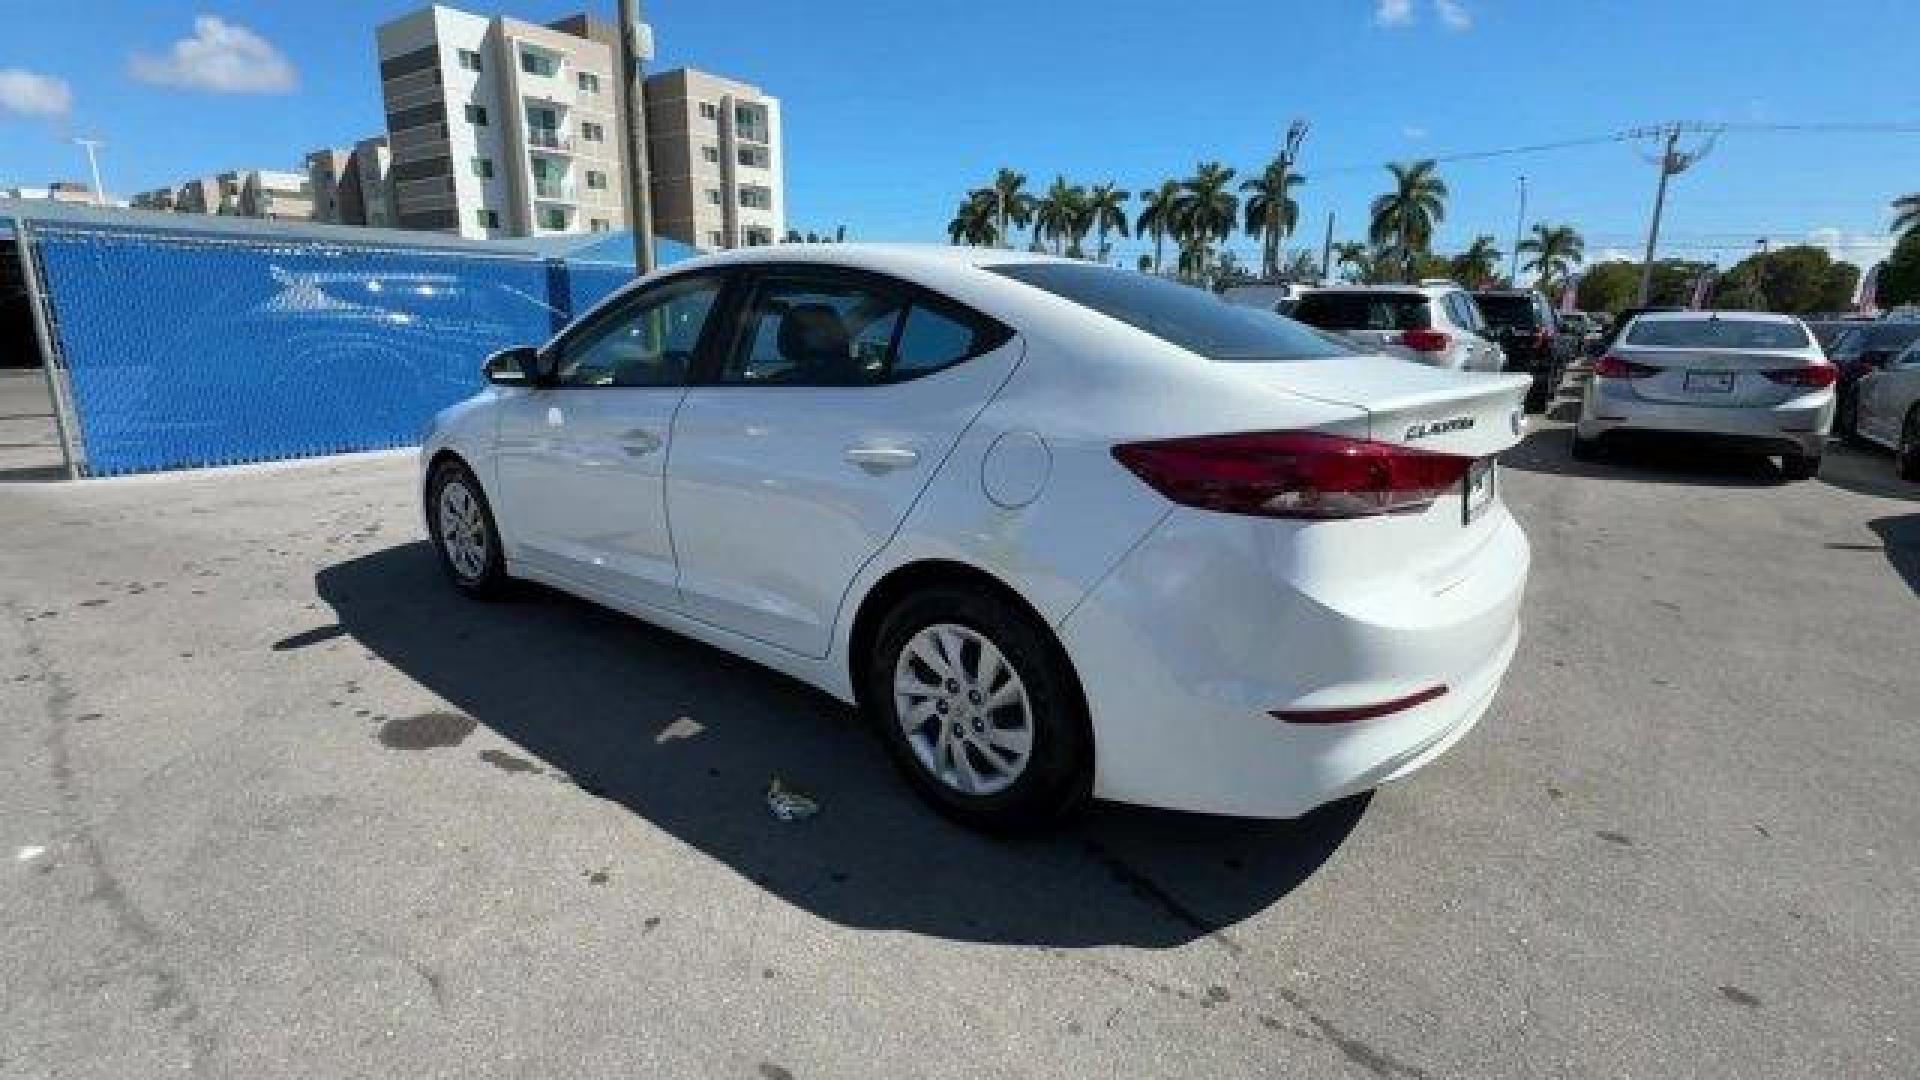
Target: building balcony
x=551, y=140
x=555, y=191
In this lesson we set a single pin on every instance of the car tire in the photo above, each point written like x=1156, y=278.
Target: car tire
x=1800, y=466
x=941, y=659
x=1585, y=449
x=461, y=523
x=1906, y=456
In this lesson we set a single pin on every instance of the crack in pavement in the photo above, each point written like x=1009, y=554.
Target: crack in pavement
x=169, y=997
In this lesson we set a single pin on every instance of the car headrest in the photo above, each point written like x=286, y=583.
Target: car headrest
x=812, y=336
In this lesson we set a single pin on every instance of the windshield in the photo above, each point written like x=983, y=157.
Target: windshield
x=1508, y=310
x=1716, y=333
x=1194, y=319
x=1363, y=311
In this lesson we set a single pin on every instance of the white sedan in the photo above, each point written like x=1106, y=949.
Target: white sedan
x=1062, y=531
x=1889, y=409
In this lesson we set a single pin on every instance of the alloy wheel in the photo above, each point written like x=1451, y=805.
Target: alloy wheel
x=963, y=708
x=463, y=529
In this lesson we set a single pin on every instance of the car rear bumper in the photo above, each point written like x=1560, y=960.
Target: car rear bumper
x=1798, y=426
x=1187, y=649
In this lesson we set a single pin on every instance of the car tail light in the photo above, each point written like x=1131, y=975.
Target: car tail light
x=1293, y=474
x=1425, y=340
x=1612, y=367
x=1813, y=376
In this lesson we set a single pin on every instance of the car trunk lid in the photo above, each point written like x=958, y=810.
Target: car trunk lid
x=1713, y=378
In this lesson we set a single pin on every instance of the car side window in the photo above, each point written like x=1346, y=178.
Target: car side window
x=648, y=342
x=822, y=330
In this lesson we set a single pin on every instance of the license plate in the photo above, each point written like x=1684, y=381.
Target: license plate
x=1709, y=382
x=1477, y=492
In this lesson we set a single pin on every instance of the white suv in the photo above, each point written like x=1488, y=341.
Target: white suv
x=1434, y=324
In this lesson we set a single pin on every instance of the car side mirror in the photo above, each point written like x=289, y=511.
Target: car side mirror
x=519, y=366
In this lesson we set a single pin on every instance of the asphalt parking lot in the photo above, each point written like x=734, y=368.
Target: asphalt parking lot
x=275, y=801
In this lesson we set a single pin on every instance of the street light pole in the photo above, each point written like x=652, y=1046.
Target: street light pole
x=92, y=147
x=636, y=48
x=1519, y=223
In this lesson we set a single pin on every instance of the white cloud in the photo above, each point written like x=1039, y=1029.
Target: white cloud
x=1453, y=14
x=1860, y=249
x=1415, y=133
x=221, y=58
x=1614, y=254
x=1393, y=13
x=23, y=93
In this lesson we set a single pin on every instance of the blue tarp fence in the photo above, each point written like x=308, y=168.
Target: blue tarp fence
x=183, y=350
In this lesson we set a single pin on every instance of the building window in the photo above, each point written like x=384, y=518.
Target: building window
x=754, y=156
x=589, y=83
x=486, y=219
x=596, y=180
x=483, y=168
x=713, y=196
x=600, y=225
x=758, y=237
x=476, y=114
x=713, y=239
x=552, y=217
x=591, y=131
x=756, y=198
x=470, y=60
x=534, y=63
x=711, y=153
x=709, y=111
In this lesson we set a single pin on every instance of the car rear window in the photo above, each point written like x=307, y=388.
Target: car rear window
x=1891, y=337
x=1508, y=310
x=1733, y=333
x=1194, y=319
x=1363, y=311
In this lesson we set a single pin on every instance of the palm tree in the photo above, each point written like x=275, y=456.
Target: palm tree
x=1012, y=206
x=1403, y=219
x=1272, y=212
x=1105, y=203
x=1476, y=266
x=1060, y=216
x=1156, y=215
x=1906, y=216
x=1204, y=212
x=1300, y=266
x=974, y=222
x=1556, y=250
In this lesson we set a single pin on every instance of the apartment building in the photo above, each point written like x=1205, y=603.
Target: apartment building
x=715, y=154
x=270, y=193
x=350, y=185
x=325, y=170
x=369, y=182
x=218, y=193
x=163, y=199
x=499, y=127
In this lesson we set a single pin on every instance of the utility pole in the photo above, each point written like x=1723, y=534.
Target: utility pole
x=1672, y=163
x=1289, y=153
x=636, y=48
x=1519, y=223
x=92, y=146
x=1326, y=252
x=1760, y=274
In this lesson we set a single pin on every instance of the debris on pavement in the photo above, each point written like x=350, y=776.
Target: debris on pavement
x=788, y=804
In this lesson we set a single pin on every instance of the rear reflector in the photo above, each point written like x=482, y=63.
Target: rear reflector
x=1612, y=367
x=1293, y=474
x=1358, y=712
x=1425, y=340
x=1813, y=376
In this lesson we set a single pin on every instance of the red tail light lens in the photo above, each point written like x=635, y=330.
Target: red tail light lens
x=1293, y=474
x=1612, y=367
x=1425, y=340
x=1813, y=377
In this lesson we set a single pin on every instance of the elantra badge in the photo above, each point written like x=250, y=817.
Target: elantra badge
x=1439, y=427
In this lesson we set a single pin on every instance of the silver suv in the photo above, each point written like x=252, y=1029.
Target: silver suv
x=1434, y=324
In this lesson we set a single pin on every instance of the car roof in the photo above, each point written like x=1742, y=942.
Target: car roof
x=898, y=258
x=1702, y=316
x=1384, y=290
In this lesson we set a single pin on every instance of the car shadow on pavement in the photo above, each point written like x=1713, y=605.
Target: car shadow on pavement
x=689, y=738
x=1900, y=539
x=1865, y=470
x=1652, y=460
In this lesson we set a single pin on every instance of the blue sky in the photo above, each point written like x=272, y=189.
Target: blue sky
x=893, y=110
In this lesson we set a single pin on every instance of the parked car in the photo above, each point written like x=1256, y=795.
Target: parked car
x=1749, y=380
x=1059, y=529
x=1436, y=325
x=1276, y=298
x=1889, y=409
x=1526, y=329
x=1858, y=349
x=1613, y=331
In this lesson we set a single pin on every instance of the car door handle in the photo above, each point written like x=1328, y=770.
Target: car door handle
x=640, y=442
x=879, y=459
